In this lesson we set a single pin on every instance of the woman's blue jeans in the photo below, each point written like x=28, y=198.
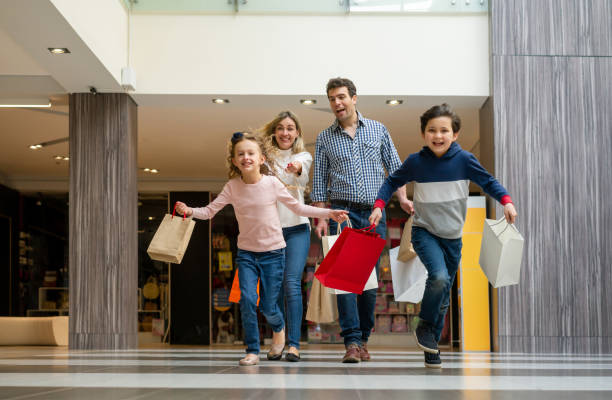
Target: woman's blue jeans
x=441, y=259
x=268, y=266
x=298, y=242
x=356, y=312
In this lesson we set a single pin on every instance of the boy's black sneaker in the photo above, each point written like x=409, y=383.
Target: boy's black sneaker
x=433, y=360
x=425, y=338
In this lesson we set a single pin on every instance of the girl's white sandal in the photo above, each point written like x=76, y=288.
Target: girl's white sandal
x=250, y=359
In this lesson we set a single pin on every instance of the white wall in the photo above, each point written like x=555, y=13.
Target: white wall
x=103, y=26
x=402, y=55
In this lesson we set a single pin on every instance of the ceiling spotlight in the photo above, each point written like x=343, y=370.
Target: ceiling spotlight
x=394, y=102
x=66, y=158
x=58, y=50
x=36, y=146
x=151, y=218
x=154, y=171
x=147, y=170
x=308, y=102
x=220, y=101
x=58, y=157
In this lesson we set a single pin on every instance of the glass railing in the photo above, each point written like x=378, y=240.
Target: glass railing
x=308, y=6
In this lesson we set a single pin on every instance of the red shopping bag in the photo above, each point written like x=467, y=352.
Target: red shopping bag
x=349, y=263
x=234, y=296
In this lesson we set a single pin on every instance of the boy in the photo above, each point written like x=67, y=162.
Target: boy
x=441, y=172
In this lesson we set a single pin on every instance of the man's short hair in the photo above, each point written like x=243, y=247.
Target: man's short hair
x=334, y=83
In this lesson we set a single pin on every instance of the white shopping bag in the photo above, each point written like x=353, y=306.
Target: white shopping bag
x=408, y=277
x=328, y=242
x=501, y=252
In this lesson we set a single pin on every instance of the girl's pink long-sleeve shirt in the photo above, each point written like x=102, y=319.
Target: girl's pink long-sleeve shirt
x=256, y=211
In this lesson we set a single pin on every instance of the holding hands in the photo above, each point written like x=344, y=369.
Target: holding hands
x=183, y=209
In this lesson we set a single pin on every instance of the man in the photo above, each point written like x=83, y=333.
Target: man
x=351, y=157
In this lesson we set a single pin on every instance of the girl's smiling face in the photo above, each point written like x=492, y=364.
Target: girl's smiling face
x=285, y=133
x=247, y=157
x=439, y=135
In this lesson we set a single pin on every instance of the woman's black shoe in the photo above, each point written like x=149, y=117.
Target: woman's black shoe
x=292, y=357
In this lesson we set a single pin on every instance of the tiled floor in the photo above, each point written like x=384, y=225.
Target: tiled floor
x=211, y=373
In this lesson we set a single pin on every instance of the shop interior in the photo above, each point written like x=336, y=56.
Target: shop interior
x=185, y=143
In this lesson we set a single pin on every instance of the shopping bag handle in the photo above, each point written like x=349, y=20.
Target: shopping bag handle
x=370, y=229
x=174, y=211
x=339, y=228
x=502, y=219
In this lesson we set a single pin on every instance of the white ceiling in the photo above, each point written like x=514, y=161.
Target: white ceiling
x=184, y=136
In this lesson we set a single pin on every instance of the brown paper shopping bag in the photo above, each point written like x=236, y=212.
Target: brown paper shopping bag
x=171, y=239
x=322, y=306
x=406, y=252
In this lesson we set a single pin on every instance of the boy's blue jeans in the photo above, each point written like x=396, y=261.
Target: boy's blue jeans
x=356, y=312
x=441, y=259
x=269, y=267
x=298, y=242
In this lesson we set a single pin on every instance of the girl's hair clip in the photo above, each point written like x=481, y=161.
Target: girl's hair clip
x=237, y=136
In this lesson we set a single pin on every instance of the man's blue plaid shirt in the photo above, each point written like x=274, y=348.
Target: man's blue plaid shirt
x=353, y=169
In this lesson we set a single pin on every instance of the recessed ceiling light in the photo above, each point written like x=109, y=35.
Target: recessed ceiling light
x=66, y=158
x=150, y=170
x=36, y=146
x=308, y=102
x=147, y=170
x=220, y=101
x=151, y=218
x=394, y=102
x=58, y=157
x=154, y=171
x=58, y=50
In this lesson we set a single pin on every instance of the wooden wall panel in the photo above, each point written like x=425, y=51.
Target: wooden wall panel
x=103, y=222
x=553, y=150
x=551, y=97
x=552, y=27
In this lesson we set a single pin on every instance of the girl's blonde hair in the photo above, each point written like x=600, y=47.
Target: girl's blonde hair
x=269, y=139
x=234, y=171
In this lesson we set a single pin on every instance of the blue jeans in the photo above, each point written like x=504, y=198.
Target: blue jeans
x=268, y=266
x=298, y=242
x=356, y=312
x=441, y=259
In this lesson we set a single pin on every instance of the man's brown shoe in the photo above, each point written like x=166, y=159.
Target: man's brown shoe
x=363, y=352
x=352, y=354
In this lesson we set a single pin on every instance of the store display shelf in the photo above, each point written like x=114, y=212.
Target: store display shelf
x=392, y=313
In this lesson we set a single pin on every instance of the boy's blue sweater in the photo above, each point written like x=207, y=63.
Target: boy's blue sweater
x=441, y=188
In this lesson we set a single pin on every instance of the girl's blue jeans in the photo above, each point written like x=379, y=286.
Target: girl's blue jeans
x=441, y=259
x=298, y=242
x=268, y=266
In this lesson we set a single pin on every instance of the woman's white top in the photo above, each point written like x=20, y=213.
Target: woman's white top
x=297, y=184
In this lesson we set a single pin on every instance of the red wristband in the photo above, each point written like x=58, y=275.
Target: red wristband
x=379, y=204
x=505, y=200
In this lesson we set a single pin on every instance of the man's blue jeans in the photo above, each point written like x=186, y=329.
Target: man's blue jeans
x=356, y=312
x=441, y=259
x=269, y=267
x=298, y=242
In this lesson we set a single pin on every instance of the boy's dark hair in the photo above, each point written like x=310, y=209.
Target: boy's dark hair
x=443, y=110
x=334, y=83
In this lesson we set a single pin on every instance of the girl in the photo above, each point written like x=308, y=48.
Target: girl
x=261, y=247
x=292, y=162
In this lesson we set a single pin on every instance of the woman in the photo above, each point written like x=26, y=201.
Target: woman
x=291, y=163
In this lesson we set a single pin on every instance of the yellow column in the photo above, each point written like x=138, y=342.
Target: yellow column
x=473, y=284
